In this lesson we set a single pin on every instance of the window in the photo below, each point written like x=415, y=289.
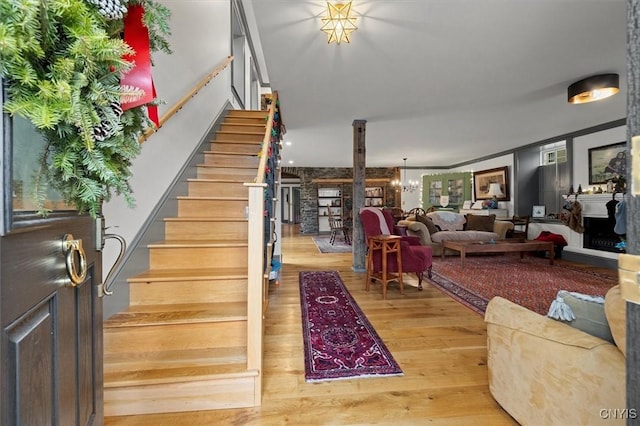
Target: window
x=553, y=153
x=238, y=40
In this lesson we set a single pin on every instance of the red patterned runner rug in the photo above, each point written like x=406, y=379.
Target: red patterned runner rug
x=530, y=282
x=339, y=341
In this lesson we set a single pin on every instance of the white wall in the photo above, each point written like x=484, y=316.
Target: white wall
x=200, y=42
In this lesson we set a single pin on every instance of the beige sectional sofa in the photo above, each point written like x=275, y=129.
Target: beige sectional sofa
x=545, y=372
x=453, y=226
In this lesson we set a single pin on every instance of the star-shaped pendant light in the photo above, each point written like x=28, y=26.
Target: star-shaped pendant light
x=339, y=23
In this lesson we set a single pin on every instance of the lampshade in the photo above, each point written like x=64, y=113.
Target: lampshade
x=494, y=190
x=339, y=22
x=593, y=88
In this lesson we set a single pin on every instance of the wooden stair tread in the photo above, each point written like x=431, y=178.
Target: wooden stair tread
x=188, y=313
x=167, y=275
x=190, y=197
x=128, y=361
x=237, y=154
x=216, y=180
x=240, y=132
x=226, y=167
x=230, y=141
x=205, y=219
x=252, y=127
x=198, y=243
x=173, y=375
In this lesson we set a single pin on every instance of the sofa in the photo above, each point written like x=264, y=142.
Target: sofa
x=546, y=372
x=436, y=227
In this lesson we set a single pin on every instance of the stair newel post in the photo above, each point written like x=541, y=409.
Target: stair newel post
x=256, y=271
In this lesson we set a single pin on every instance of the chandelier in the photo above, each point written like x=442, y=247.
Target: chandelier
x=339, y=23
x=404, y=184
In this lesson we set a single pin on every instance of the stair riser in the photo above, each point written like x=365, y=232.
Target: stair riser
x=247, y=175
x=202, y=395
x=217, y=189
x=212, y=208
x=206, y=230
x=249, y=128
x=244, y=113
x=246, y=120
x=206, y=291
x=116, y=364
x=224, y=160
x=197, y=257
x=244, y=148
x=242, y=137
x=184, y=336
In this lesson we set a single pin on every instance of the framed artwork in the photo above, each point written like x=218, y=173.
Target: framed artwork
x=607, y=162
x=538, y=211
x=482, y=181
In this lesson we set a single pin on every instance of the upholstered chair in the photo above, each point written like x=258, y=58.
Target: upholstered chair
x=416, y=258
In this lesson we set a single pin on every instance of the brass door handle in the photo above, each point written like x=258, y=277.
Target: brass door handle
x=71, y=248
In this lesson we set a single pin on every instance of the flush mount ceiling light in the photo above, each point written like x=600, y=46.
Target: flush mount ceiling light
x=593, y=88
x=339, y=23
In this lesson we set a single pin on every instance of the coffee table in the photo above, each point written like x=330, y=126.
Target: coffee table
x=513, y=245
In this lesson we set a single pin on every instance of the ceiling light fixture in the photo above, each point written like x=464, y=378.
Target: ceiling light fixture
x=593, y=88
x=339, y=23
x=404, y=184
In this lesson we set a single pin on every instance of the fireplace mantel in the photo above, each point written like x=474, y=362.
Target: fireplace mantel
x=594, y=205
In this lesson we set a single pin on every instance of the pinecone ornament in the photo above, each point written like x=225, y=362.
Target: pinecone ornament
x=105, y=130
x=110, y=9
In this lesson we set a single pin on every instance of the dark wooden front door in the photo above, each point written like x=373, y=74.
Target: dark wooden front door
x=51, y=330
x=51, y=346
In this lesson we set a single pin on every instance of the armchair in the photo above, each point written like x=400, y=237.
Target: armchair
x=416, y=258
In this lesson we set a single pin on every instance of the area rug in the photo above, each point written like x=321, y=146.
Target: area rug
x=339, y=341
x=530, y=282
x=338, y=246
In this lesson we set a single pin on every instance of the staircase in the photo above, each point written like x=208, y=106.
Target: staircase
x=182, y=343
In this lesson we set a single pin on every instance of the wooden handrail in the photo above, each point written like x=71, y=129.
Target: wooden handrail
x=267, y=139
x=178, y=105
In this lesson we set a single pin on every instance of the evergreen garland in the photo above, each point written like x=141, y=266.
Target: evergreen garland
x=62, y=62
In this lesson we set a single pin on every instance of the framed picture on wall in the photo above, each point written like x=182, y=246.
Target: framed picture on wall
x=483, y=180
x=607, y=162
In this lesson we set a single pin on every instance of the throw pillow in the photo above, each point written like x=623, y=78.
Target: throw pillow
x=428, y=223
x=480, y=223
x=583, y=312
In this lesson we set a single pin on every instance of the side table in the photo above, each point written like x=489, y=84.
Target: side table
x=387, y=244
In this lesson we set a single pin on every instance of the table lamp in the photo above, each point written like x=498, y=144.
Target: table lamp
x=495, y=192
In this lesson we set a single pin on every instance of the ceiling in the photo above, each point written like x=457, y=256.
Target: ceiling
x=440, y=82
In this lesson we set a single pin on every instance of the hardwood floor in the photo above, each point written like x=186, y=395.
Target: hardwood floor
x=439, y=344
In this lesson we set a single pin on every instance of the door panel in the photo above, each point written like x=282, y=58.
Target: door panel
x=29, y=373
x=51, y=331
